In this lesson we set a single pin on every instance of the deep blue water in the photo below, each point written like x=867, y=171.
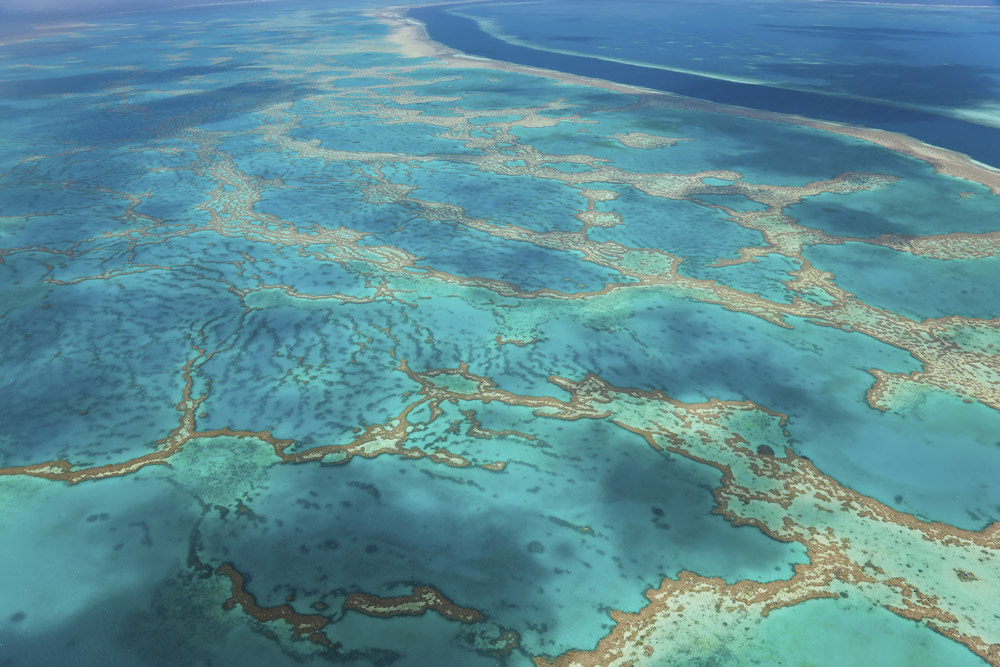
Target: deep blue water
x=464, y=34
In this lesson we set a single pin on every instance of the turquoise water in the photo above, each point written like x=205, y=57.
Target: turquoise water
x=845, y=633
x=891, y=279
x=230, y=278
x=914, y=206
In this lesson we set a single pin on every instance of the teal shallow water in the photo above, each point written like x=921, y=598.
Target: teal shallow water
x=917, y=287
x=200, y=238
x=916, y=206
x=843, y=632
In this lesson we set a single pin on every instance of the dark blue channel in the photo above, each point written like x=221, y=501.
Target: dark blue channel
x=979, y=142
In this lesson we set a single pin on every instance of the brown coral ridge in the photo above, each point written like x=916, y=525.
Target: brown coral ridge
x=184, y=432
x=632, y=639
x=819, y=301
x=953, y=370
x=308, y=625
x=501, y=341
x=946, y=366
x=373, y=440
x=908, y=565
x=422, y=599
x=477, y=430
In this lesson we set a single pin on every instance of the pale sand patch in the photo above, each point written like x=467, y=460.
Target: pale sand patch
x=64, y=28
x=411, y=38
x=406, y=37
x=645, y=141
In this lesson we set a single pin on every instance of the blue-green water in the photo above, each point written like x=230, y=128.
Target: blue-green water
x=760, y=58
x=231, y=237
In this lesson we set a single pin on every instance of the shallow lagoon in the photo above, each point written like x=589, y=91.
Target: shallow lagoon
x=199, y=279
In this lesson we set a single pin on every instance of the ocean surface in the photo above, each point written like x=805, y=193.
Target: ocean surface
x=881, y=67
x=322, y=349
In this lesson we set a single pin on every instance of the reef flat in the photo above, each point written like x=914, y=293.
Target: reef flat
x=324, y=343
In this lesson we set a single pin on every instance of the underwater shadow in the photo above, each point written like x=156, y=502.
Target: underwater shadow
x=167, y=115
x=94, y=81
